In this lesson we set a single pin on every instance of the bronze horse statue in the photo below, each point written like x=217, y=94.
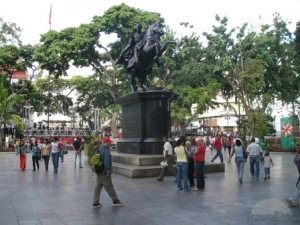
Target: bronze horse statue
x=149, y=50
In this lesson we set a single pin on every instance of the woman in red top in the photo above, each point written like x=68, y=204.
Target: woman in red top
x=199, y=158
x=229, y=144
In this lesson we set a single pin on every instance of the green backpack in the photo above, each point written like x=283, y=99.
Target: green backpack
x=96, y=163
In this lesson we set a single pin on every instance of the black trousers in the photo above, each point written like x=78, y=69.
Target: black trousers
x=46, y=160
x=35, y=160
x=191, y=171
x=200, y=175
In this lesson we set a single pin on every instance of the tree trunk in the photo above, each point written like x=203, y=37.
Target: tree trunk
x=113, y=125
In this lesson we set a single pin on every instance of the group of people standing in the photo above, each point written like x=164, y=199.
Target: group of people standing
x=187, y=158
x=43, y=150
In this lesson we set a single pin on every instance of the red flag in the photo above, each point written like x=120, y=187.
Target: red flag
x=50, y=15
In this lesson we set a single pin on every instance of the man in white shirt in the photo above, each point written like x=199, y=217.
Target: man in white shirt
x=255, y=152
x=168, y=156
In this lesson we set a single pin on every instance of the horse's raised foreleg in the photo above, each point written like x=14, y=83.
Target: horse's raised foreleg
x=148, y=48
x=164, y=46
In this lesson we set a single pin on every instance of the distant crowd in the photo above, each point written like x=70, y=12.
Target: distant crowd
x=44, y=148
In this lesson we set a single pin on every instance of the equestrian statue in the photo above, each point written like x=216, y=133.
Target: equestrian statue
x=142, y=52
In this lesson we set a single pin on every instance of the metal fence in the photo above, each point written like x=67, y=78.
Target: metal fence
x=57, y=132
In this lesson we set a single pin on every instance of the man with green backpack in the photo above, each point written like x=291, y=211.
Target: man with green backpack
x=104, y=177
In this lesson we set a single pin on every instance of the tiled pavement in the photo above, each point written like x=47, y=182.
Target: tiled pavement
x=40, y=197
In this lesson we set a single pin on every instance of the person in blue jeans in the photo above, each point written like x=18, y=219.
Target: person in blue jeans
x=62, y=145
x=255, y=153
x=54, y=148
x=239, y=152
x=218, y=146
x=77, y=147
x=181, y=165
x=35, y=156
x=294, y=199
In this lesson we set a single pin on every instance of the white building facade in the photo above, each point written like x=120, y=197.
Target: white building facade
x=223, y=118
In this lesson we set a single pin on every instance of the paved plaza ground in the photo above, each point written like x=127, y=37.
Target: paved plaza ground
x=41, y=197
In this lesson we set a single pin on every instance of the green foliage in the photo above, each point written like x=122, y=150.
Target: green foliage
x=9, y=33
x=181, y=107
x=205, y=96
x=122, y=20
x=7, y=110
x=13, y=55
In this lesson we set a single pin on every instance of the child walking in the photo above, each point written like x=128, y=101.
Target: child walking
x=267, y=163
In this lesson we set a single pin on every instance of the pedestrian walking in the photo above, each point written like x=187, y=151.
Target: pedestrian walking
x=255, y=153
x=169, y=158
x=218, y=147
x=293, y=200
x=35, y=156
x=45, y=152
x=22, y=151
x=104, y=178
x=239, y=152
x=54, y=148
x=229, y=145
x=77, y=147
x=267, y=164
x=62, y=145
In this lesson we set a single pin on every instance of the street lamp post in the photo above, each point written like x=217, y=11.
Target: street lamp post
x=96, y=118
x=227, y=117
x=27, y=115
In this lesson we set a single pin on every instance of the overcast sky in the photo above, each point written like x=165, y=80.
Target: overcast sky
x=32, y=15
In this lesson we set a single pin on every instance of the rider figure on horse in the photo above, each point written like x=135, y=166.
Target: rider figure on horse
x=134, y=47
x=142, y=52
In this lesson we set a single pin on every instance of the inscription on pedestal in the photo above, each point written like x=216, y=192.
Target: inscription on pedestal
x=160, y=120
x=145, y=120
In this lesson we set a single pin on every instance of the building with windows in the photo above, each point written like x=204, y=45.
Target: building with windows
x=223, y=118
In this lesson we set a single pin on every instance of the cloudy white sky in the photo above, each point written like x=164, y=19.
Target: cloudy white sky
x=32, y=15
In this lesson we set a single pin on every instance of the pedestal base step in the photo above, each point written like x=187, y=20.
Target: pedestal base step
x=133, y=171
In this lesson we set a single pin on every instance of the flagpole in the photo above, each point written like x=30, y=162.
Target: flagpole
x=50, y=16
x=50, y=22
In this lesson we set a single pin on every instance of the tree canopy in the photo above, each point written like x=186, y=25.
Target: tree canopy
x=256, y=66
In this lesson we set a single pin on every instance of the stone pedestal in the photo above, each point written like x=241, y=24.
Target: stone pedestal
x=139, y=166
x=145, y=120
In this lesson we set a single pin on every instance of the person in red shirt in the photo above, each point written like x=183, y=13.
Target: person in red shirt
x=62, y=145
x=229, y=145
x=218, y=146
x=199, y=158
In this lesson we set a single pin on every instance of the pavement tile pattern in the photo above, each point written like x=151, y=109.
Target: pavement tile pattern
x=44, y=198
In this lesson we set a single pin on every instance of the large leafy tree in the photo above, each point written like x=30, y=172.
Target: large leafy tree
x=14, y=56
x=53, y=95
x=90, y=95
x=243, y=63
x=81, y=46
